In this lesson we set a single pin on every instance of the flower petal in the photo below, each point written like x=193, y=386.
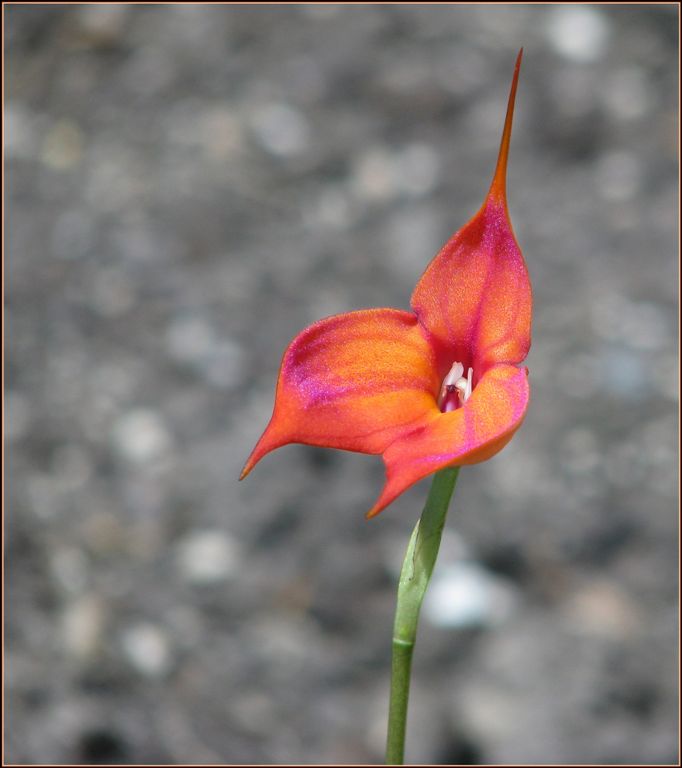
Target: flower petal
x=354, y=381
x=475, y=296
x=468, y=435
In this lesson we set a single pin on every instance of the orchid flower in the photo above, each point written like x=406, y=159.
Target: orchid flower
x=436, y=387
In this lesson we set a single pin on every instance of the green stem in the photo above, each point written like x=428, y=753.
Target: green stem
x=420, y=559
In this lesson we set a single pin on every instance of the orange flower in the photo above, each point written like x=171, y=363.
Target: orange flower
x=428, y=389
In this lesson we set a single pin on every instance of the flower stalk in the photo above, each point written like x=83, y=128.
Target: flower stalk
x=415, y=575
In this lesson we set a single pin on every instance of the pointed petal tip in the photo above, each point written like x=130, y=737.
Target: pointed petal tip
x=389, y=493
x=498, y=188
x=268, y=442
x=386, y=497
x=384, y=500
x=249, y=465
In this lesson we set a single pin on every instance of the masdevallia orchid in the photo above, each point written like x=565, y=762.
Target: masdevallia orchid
x=436, y=387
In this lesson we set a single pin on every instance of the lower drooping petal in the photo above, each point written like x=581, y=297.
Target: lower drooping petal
x=468, y=435
x=355, y=381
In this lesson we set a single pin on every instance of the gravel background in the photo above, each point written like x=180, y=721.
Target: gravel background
x=187, y=188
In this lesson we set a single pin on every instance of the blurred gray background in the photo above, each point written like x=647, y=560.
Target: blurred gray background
x=187, y=188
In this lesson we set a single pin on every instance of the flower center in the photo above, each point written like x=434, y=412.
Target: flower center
x=455, y=389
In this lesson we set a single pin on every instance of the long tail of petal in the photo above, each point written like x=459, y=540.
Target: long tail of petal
x=355, y=381
x=498, y=188
x=268, y=442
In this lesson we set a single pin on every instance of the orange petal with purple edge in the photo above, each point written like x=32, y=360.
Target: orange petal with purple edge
x=475, y=296
x=355, y=381
x=473, y=433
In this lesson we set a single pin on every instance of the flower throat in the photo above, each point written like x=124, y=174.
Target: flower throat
x=456, y=388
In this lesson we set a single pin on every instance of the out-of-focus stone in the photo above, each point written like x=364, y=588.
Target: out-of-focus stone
x=72, y=235
x=207, y=557
x=628, y=94
x=281, y=129
x=417, y=169
x=63, y=146
x=113, y=293
x=18, y=414
x=374, y=176
x=69, y=566
x=601, y=608
x=224, y=368
x=83, y=625
x=147, y=649
x=20, y=132
x=100, y=25
x=466, y=595
x=578, y=32
x=618, y=176
x=71, y=467
x=141, y=436
x=190, y=339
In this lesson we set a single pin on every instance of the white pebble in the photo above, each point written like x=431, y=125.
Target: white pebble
x=578, y=32
x=189, y=340
x=147, y=649
x=618, y=176
x=225, y=366
x=141, y=436
x=221, y=134
x=418, y=169
x=647, y=327
x=329, y=209
x=374, y=176
x=627, y=94
x=629, y=376
x=601, y=608
x=413, y=236
x=103, y=22
x=20, y=131
x=63, y=146
x=69, y=568
x=207, y=557
x=466, y=595
x=82, y=626
x=281, y=129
